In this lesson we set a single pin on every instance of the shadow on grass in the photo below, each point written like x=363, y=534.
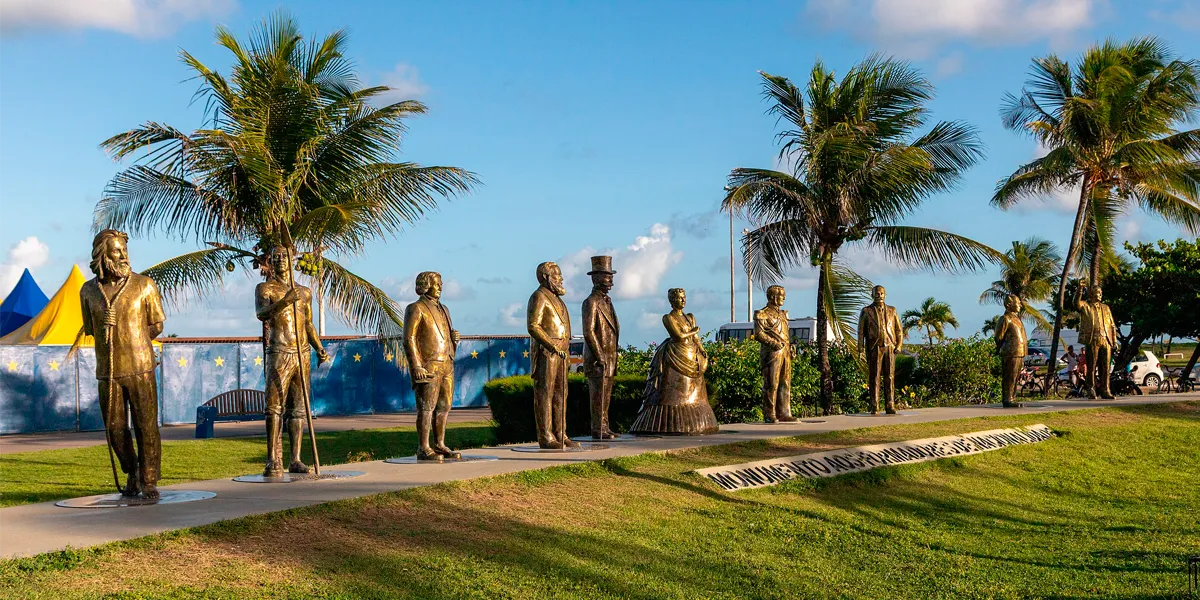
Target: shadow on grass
x=50, y=475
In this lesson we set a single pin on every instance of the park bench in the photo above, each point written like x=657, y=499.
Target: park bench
x=235, y=405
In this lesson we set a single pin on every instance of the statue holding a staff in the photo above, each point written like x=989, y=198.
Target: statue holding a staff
x=286, y=310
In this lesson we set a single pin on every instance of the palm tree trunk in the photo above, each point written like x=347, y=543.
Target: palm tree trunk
x=826, y=397
x=1076, y=241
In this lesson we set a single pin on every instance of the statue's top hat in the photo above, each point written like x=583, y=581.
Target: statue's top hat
x=601, y=264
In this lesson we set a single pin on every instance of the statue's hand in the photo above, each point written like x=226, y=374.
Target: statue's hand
x=322, y=356
x=454, y=336
x=292, y=296
x=420, y=373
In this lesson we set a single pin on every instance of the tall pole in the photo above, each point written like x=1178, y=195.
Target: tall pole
x=732, y=314
x=749, y=290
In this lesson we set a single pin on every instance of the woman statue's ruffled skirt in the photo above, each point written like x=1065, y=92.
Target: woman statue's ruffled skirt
x=676, y=400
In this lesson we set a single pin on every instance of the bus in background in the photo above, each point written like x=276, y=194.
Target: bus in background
x=803, y=330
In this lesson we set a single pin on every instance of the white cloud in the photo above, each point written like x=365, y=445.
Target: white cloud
x=512, y=315
x=640, y=266
x=141, y=18
x=405, y=83
x=29, y=253
x=650, y=321
x=644, y=264
x=916, y=28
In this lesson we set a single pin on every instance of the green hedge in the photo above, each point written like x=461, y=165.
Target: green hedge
x=511, y=401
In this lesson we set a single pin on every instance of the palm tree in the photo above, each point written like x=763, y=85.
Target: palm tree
x=991, y=324
x=1029, y=271
x=1109, y=126
x=859, y=170
x=933, y=317
x=292, y=142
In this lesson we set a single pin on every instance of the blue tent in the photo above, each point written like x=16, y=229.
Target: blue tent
x=24, y=302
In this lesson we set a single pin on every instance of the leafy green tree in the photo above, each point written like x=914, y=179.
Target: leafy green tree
x=932, y=316
x=293, y=141
x=1160, y=296
x=1109, y=126
x=1029, y=271
x=860, y=169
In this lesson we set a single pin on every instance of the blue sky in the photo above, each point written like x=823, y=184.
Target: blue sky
x=593, y=127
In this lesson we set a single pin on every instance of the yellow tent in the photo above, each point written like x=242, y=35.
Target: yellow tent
x=58, y=323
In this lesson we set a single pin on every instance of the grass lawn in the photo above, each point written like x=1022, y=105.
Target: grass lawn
x=1109, y=509
x=28, y=477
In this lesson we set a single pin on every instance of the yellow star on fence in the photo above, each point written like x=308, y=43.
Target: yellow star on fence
x=54, y=365
x=182, y=362
x=501, y=354
x=220, y=361
x=12, y=365
x=474, y=354
x=388, y=357
x=525, y=354
x=257, y=360
x=357, y=357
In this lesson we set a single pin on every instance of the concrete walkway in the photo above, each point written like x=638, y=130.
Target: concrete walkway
x=37, y=528
x=32, y=442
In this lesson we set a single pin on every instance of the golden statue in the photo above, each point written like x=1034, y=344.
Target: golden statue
x=1010, y=337
x=880, y=337
x=430, y=342
x=1098, y=332
x=286, y=310
x=601, y=331
x=774, y=337
x=549, y=339
x=676, y=400
x=123, y=311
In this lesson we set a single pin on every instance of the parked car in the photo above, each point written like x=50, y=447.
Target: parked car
x=1039, y=356
x=1149, y=369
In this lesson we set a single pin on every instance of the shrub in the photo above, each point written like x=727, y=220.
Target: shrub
x=633, y=361
x=957, y=372
x=849, y=379
x=511, y=401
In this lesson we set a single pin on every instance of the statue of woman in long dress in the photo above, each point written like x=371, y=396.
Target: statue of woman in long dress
x=676, y=401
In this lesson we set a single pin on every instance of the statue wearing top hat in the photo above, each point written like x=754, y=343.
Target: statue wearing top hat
x=601, y=331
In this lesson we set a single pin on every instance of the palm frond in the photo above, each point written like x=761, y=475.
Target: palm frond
x=195, y=274
x=920, y=247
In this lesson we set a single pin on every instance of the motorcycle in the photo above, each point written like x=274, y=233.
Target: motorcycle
x=1125, y=384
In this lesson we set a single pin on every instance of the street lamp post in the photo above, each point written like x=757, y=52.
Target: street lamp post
x=732, y=314
x=749, y=289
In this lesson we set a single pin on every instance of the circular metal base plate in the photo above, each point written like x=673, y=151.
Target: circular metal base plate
x=1023, y=405
x=902, y=413
x=412, y=460
x=624, y=437
x=812, y=420
x=579, y=448
x=294, y=477
x=119, y=501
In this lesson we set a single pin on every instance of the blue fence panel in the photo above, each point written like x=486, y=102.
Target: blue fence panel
x=391, y=384
x=89, y=391
x=193, y=374
x=56, y=376
x=37, y=391
x=471, y=370
x=509, y=357
x=342, y=386
x=36, y=396
x=250, y=367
